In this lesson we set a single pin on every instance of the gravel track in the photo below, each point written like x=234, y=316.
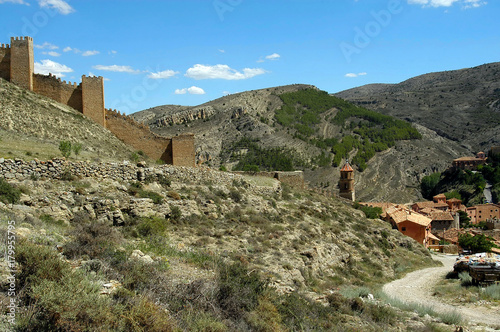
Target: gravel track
x=417, y=287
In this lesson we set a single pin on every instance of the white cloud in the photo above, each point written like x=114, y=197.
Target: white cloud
x=47, y=46
x=201, y=72
x=474, y=4
x=222, y=51
x=17, y=2
x=48, y=66
x=69, y=49
x=194, y=90
x=61, y=6
x=52, y=53
x=163, y=74
x=352, y=75
x=116, y=68
x=90, y=53
x=112, y=52
x=466, y=4
x=225, y=93
x=274, y=56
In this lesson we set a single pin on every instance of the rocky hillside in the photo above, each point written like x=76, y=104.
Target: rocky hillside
x=391, y=175
x=462, y=105
x=32, y=126
x=197, y=249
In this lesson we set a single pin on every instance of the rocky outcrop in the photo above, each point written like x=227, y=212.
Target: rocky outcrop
x=185, y=116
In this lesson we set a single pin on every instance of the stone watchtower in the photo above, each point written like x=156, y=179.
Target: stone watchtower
x=22, y=62
x=346, y=182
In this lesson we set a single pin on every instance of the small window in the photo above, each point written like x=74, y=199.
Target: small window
x=403, y=229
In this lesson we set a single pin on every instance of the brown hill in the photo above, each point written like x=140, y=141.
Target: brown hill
x=462, y=105
x=393, y=175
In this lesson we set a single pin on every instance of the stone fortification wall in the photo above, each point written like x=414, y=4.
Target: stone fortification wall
x=125, y=171
x=5, y=61
x=139, y=136
x=178, y=150
x=17, y=66
x=294, y=179
x=183, y=152
x=52, y=87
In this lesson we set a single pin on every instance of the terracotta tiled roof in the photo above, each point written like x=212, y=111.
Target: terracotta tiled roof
x=432, y=236
x=398, y=215
x=441, y=215
x=440, y=196
x=467, y=159
x=426, y=204
x=347, y=168
x=417, y=218
x=454, y=200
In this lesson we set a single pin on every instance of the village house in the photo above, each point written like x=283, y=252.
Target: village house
x=440, y=219
x=483, y=212
x=470, y=163
x=411, y=224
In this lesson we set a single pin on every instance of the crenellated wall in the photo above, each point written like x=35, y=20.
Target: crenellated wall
x=5, y=61
x=178, y=150
x=17, y=66
x=54, y=88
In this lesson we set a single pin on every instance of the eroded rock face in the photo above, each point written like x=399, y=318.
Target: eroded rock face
x=184, y=116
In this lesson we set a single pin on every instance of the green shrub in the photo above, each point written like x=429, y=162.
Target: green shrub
x=65, y=148
x=134, y=157
x=492, y=292
x=175, y=213
x=8, y=193
x=66, y=175
x=93, y=238
x=475, y=243
x=155, y=197
x=151, y=226
x=72, y=303
x=238, y=289
x=145, y=315
x=37, y=263
x=77, y=147
x=235, y=195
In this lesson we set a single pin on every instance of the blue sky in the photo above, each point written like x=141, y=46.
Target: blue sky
x=188, y=52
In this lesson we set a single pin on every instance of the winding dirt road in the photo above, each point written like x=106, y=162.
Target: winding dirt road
x=417, y=287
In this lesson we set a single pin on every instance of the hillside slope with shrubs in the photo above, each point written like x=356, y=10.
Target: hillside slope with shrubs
x=172, y=253
x=34, y=126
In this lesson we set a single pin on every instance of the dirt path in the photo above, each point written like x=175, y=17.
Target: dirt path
x=417, y=287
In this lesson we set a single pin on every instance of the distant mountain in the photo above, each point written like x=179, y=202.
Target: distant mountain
x=311, y=127
x=461, y=105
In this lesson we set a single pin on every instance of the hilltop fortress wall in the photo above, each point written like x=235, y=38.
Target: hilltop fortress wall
x=17, y=66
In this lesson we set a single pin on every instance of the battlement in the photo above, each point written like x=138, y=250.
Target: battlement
x=114, y=113
x=14, y=39
x=5, y=46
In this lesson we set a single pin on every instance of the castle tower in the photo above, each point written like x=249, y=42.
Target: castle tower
x=22, y=62
x=93, y=99
x=346, y=182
